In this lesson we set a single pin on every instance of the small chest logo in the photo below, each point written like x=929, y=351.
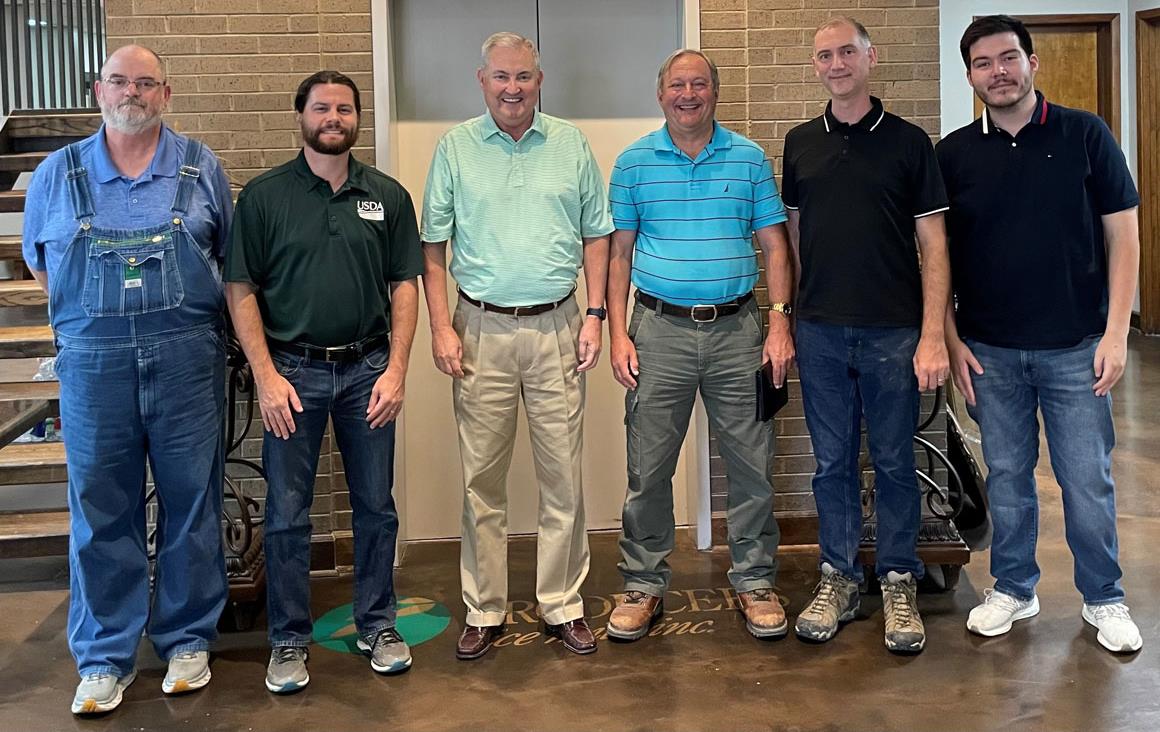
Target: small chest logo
x=370, y=210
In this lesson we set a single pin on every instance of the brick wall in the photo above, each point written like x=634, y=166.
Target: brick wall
x=762, y=49
x=234, y=65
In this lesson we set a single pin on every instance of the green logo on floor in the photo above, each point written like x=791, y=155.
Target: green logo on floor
x=419, y=620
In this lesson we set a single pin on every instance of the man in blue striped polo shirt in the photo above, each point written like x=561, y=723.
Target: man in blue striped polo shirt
x=687, y=200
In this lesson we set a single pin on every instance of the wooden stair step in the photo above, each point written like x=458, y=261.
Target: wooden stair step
x=12, y=202
x=10, y=246
x=26, y=341
x=21, y=416
x=29, y=390
x=21, y=162
x=34, y=534
x=32, y=462
x=77, y=123
x=21, y=292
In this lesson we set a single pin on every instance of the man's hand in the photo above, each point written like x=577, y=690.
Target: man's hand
x=447, y=351
x=931, y=363
x=625, y=366
x=386, y=398
x=778, y=349
x=963, y=362
x=591, y=341
x=276, y=399
x=1111, y=358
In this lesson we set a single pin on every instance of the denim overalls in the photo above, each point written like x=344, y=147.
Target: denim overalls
x=137, y=316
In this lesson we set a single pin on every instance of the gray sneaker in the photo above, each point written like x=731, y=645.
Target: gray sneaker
x=835, y=602
x=389, y=652
x=904, y=630
x=286, y=673
x=98, y=693
x=188, y=671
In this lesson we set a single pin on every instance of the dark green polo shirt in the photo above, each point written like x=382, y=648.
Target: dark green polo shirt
x=323, y=261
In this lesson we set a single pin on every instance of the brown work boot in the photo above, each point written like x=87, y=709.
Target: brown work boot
x=764, y=616
x=634, y=615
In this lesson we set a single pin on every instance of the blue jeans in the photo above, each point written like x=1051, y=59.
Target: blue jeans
x=1014, y=385
x=123, y=401
x=340, y=391
x=847, y=373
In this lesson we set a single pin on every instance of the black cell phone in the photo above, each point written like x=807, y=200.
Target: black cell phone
x=770, y=398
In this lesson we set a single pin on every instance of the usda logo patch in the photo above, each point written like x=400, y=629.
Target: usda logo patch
x=419, y=620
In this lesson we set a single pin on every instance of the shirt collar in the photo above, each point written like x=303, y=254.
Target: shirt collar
x=490, y=128
x=721, y=140
x=163, y=164
x=355, y=174
x=869, y=122
x=1038, y=114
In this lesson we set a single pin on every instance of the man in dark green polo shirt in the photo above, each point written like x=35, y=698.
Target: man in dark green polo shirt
x=321, y=284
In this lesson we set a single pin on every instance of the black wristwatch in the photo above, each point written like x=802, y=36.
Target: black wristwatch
x=597, y=313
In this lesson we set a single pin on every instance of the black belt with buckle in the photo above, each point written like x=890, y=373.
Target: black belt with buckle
x=332, y=354
x=696, y=313
x=519, y=310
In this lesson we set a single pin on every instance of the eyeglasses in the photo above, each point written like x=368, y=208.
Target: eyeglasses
x=144, y=84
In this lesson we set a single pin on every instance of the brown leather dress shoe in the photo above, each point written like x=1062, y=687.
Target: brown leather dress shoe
x=634, y=615
x=575, y=635
x=764, y=616
x=476, y=640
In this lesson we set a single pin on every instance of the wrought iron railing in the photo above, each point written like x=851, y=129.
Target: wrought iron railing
x=50, y=53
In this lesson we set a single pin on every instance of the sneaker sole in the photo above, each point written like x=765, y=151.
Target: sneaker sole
x=1104, y=641
x=92, y=706
x=184, y=686
x=908, y=650
x=632, y=635
x=288, y=688
x=822, y=638
x=1028, y=612
x=394, y=668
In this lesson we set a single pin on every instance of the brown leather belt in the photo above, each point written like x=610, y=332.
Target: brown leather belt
x=696, y=313
x=518, y=311
x=331, y=354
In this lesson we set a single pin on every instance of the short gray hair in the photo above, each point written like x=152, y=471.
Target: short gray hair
x=507, y=39
x=837, y=20
x=672, y=59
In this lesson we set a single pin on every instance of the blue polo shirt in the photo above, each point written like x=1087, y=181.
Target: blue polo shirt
x=123, y=203
x=694, y=218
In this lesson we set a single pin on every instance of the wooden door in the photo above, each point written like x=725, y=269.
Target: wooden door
x=1148, y=165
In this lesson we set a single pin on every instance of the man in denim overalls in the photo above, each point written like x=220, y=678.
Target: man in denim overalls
x=125, y=231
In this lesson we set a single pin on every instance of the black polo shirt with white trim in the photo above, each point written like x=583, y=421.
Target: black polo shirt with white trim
x=859, y=189
x=1028, y=263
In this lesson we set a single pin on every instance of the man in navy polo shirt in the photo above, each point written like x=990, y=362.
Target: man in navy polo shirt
x=687, y=201
x=860, y=185
x=1045, y=247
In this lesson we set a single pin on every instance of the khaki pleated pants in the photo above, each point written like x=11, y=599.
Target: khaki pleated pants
x=506, y=358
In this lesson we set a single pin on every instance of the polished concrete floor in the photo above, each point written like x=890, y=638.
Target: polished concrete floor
x=700, y=670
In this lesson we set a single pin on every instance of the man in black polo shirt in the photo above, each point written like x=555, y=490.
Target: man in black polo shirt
x=859, y=184
x=1045, y=246
x=323, y=293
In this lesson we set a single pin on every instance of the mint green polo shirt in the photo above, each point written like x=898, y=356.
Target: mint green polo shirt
x=515, y=212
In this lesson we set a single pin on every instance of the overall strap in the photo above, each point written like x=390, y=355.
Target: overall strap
x=78, y=183
x=187, y=176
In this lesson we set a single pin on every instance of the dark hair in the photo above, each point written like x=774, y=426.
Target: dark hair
x=324, y=77
x=990, y=25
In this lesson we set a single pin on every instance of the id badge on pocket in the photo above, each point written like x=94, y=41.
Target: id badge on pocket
x=132, y=277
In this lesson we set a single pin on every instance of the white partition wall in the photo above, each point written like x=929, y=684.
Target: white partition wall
x=600, y=59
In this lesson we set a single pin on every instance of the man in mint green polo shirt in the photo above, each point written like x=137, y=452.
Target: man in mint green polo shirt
x=519, y=196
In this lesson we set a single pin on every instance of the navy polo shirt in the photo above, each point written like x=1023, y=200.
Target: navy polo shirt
x=1028, y=263
x=859, y=188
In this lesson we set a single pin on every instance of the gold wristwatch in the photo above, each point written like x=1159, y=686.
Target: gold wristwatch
x=781, y=307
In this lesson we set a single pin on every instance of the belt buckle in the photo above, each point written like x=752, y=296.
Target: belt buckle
x=695, y=319
x=334, y=354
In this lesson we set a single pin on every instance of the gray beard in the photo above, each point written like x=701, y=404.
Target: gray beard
x=123, y=120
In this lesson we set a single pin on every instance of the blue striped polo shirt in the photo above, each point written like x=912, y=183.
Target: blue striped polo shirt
x=694, y=219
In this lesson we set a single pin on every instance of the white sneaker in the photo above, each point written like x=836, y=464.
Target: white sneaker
x=1117, y=631
x=998, y=611
x=188, y=671
x=100, y=692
